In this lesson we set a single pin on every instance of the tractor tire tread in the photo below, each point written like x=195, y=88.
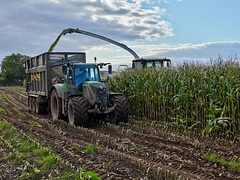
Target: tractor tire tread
x=80, y=110
x=121, y=111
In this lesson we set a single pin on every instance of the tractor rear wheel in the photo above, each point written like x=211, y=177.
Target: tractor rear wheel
x=120, y=114
x=78, y=111
x=56, y=106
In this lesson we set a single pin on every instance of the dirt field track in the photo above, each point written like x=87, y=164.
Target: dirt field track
x=136, y=150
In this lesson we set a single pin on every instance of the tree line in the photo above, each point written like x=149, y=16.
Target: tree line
x=13, y=70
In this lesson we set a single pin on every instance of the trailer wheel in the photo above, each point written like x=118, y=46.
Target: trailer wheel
x=34, y=104
x=120, y=114
x=78, y=111
x=29, y=102
x=56, y=107
x=40, y=108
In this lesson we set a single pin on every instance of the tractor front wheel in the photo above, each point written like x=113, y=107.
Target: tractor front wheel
x=78, y=111
x=120, y=114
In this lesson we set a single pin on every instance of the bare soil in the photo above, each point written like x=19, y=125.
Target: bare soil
x=136, y=150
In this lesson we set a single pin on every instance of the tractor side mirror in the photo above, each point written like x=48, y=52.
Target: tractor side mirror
x=64, y=69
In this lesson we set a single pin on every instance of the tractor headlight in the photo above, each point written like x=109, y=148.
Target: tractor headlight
x=102, y=108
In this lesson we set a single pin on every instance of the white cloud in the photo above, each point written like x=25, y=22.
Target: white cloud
x=29, y=27
x=99, y=48
x=199, y=52
x=167, y=1
x=55, y=1
x=127, y=17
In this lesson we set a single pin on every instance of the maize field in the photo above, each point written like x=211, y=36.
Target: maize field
x=203, y=99
x=34, y=146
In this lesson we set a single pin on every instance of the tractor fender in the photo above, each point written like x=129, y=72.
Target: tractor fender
x=58, y=89
x=62, y=90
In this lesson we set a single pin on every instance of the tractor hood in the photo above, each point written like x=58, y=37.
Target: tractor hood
x=95, y=92
x=97, y=87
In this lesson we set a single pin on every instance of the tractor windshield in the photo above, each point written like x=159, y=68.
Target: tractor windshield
x=86, y=72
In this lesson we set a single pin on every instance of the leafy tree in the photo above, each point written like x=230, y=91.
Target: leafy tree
x=13, y=70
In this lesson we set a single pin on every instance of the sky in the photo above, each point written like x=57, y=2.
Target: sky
x=182, y=30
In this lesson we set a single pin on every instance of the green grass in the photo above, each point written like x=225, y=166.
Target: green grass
x=36, y=158
x=30, y=175
x=160, y=145
x=2, y=98
x=111, y=161
x=90, y=149
x=129, y=132
x=232, y=165
x=41, y=152
x=2, y=111
x=87, y=175
x=34, y=123
x=90, y=175
x=235, y=166
x=76, y=145
x=5, y=125
x=26, y=147
x=11, y=155
x=49, y=160
x=57, y=141
x=21, y=115
x=67, y=175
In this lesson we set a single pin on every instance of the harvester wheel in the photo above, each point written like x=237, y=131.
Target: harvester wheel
x=78, y=111
x=56, y=107
x=120, y=114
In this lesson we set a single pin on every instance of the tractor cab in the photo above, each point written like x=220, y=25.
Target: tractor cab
x=85, y=72
x=150, y=63
x=84, y=78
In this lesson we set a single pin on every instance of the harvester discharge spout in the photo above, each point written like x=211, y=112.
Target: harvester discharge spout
x=70, y=31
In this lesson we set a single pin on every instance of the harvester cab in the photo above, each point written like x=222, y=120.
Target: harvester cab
x=150, y=63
